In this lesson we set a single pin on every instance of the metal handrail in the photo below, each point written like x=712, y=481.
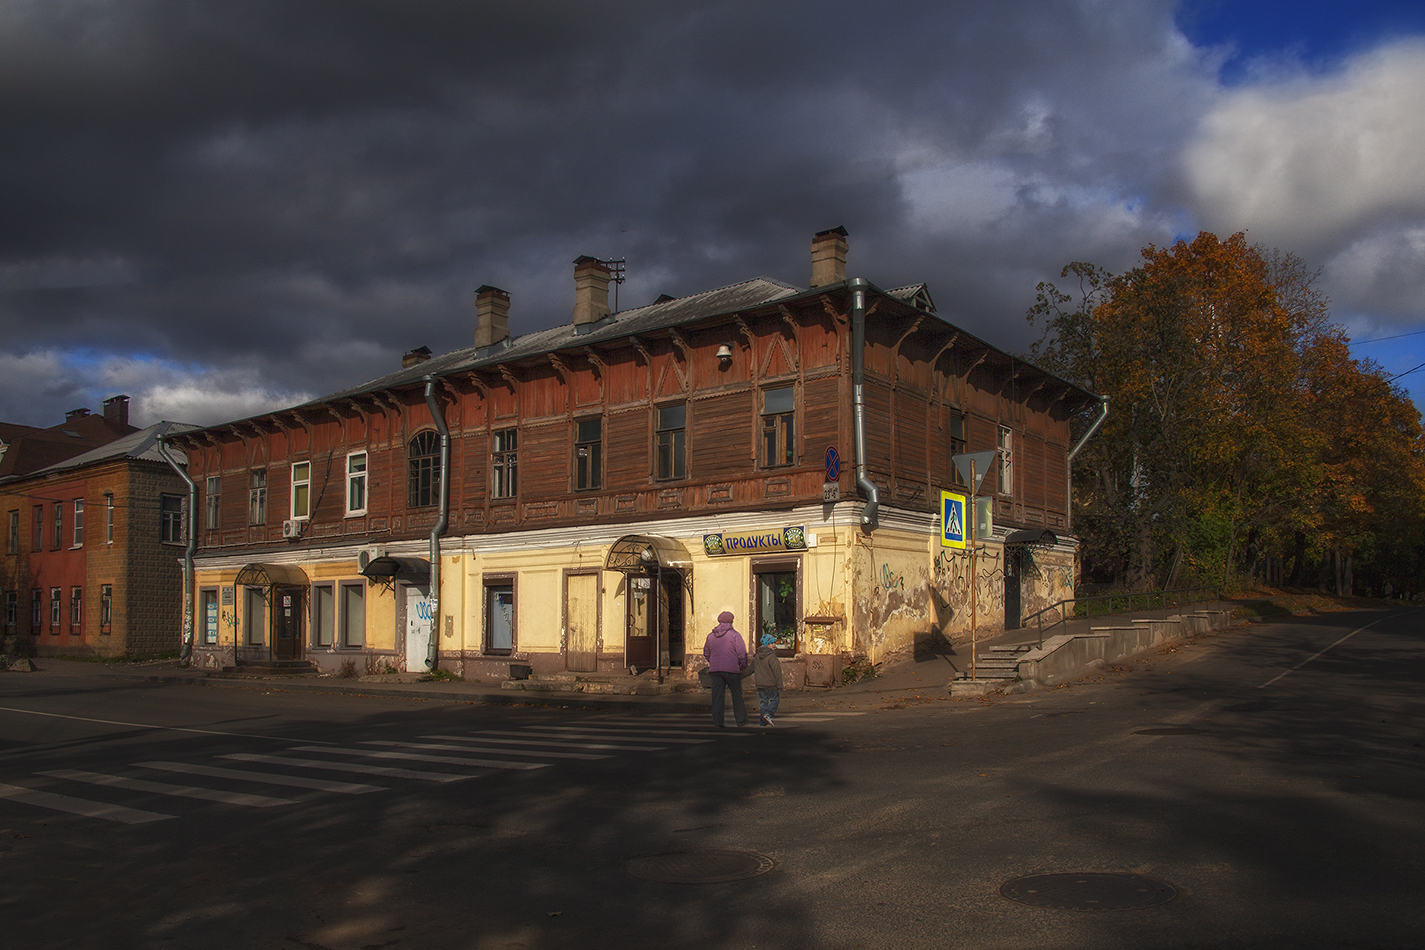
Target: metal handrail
x=1126, y=599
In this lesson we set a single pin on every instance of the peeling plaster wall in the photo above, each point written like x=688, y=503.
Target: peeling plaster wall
x=892, y=600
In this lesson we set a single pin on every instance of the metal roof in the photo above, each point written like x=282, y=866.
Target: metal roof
x=142, y=444
x=657, y=316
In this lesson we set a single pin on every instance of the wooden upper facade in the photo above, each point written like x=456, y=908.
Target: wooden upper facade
x=722, y=401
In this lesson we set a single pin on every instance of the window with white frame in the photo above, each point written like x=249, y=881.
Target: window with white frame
x=108, y=518
x=55, y=601
x=504, y=464
x=37, y=532
x=106, y=607
x=76, y=606
x=78, y=522
x=209, y=613
x=1006, y=460
x=213, y=502
x=301, y=490
x=356, y=483
x=58, y=537
x=353, y=615
x=15, y=531
x=37, y=599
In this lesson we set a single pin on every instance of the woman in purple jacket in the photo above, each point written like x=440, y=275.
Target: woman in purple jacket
x=727, y=658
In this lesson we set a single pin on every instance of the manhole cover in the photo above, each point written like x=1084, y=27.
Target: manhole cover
x=1089, y=891
x=1170, y=731
x=699, y=867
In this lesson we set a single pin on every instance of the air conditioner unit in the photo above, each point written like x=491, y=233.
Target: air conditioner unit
x=366, y=555
x=292, y=529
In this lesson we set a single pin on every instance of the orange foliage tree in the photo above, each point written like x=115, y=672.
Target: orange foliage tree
x=1233, y=401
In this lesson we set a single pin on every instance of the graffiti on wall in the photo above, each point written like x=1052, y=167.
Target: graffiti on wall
x=890, y=580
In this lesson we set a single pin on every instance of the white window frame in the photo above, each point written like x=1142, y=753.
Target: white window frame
x=302, y=481
x=356, y=481
x=79, y=522
x=1006, y=460
x=108, y=517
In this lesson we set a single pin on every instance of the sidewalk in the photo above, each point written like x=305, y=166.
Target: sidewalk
x=921, y=679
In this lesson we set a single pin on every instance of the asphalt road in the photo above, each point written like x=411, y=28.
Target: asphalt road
x=1272, y=776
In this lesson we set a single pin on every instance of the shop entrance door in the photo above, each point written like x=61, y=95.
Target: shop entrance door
x=287, y=615
x=1013, y=571
x=655, y=619
x=581, y=622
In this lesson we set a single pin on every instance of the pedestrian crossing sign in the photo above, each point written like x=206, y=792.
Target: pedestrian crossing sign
x=952, y=520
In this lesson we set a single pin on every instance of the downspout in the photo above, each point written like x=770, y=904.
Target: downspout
x=186, y=650
x=1069, y=463
x=858, y=401
x=433, y=650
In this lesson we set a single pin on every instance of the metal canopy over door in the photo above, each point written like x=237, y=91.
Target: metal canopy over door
x=656, y=572
x=287, y=613
x=581, y=622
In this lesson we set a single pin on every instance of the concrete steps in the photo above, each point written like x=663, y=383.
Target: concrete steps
x=270, y=668
x=607, y=684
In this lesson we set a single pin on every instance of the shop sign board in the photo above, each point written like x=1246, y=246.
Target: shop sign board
x=769, y=541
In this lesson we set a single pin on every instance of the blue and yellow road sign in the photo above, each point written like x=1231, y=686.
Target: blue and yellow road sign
x=952, y=520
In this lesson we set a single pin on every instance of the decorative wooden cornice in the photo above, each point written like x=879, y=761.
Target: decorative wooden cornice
x=945, y=349
x=790, y=322
x=832, y=312
x=979, y=358
x=560, y=367
x=642, y=350
x=681, y=344
x=746, y=332
x=594, y=360
x=508, y=375
x=913, y=327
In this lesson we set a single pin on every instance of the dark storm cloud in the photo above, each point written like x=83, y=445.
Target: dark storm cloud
x=282, y=197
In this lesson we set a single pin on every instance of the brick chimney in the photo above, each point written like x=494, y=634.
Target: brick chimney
x=591, y=290
x=828, y=257
x=492, y=315
x=415, y=357
x=116, y=410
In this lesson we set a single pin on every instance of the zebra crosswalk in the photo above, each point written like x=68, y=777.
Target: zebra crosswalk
x=374, y=765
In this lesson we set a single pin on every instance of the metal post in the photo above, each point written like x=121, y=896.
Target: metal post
x=974, y=516
x=657, y=603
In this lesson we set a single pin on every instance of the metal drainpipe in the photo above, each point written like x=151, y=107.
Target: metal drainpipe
x=433, y=650
x=187, y=649
x=1069, y=462
x=858, y=400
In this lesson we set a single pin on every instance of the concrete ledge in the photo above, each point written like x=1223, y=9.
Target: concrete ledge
x=1069, y=655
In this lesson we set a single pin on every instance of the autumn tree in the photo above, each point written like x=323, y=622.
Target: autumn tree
x=1218, y=452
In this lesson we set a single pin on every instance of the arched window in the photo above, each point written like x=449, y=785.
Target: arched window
x=424, y=483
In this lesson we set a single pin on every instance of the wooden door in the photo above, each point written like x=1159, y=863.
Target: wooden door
x=638, y=641
x=287, y=623
x=581, y=622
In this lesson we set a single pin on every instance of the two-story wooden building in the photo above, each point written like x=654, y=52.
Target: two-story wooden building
x=591, y=496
